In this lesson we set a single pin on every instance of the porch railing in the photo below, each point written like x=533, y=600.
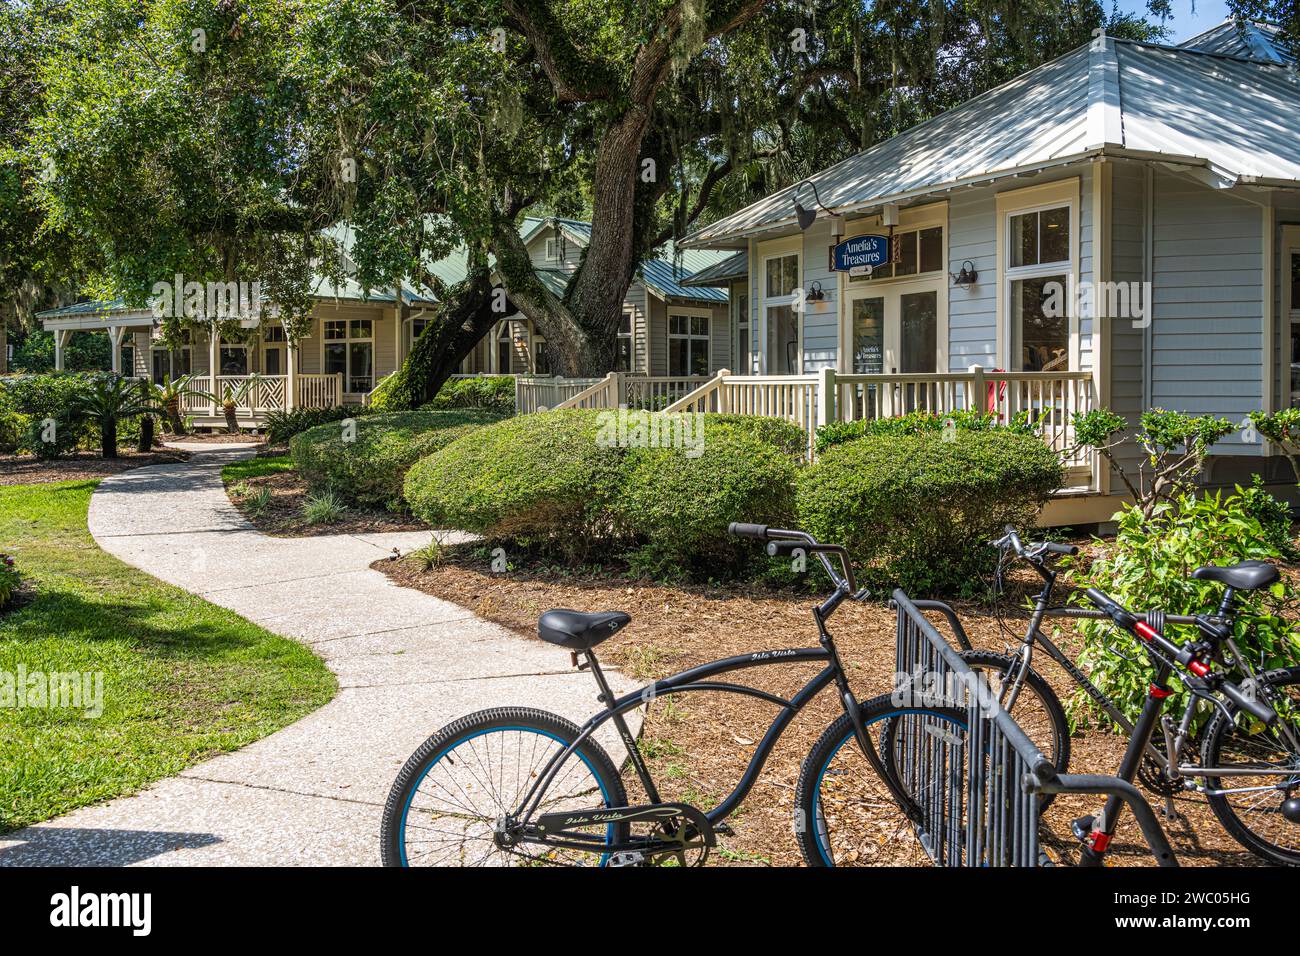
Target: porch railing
x=263, y=394
x=1048, y=401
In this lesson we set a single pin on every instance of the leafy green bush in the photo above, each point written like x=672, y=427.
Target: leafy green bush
x=86, y=352
x=1149, y=566
x=383, y=398
x=281, y=426
x=545, y=479
x=496, y=392
x=916, y=423
x=778, y=432
x=680, y=504
x=365, y=460
x=917, y=510
x=9, y=580
x=13, y=423
x=1273, y=515
x=50, y=403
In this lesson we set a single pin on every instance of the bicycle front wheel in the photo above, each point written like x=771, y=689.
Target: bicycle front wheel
x=447, y=802
x=845, y=815
x=1252, y=809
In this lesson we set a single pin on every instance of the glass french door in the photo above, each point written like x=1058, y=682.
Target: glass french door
x=895, y=332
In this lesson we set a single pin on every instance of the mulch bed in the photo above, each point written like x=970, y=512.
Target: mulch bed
x=283, y=518
x=216, y=438
x=30, y=470
x=698, y=745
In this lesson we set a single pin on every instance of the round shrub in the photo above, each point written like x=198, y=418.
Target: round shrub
x=916, y=511
x=496, y=392
x=545, y=479
x=364, y=460
x=679, y=501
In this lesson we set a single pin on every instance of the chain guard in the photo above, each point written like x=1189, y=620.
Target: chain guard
x=679, y=830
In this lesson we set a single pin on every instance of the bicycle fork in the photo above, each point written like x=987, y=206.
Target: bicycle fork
x=1096, y=832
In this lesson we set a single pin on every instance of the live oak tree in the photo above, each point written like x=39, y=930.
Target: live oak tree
x=283, y=139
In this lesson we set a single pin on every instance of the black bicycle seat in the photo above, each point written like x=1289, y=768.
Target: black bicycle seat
x=1246, y=576
x=578, y=631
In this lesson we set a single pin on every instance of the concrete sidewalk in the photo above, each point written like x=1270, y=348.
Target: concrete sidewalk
x=310, y=794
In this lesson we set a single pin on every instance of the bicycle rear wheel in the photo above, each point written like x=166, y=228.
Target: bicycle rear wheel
x=444, y=807
x=1253, y=815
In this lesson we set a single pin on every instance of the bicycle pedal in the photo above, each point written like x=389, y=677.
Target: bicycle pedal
x=1082, y=827
x=723, y=829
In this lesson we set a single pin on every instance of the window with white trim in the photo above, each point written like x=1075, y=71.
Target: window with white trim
x=1039, y=263
x=781, y=285
x=350, y=351
x=688, y=344
x=624, y=356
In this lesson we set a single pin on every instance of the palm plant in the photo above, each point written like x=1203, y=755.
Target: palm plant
x=232, y=395
x=107, y=401
x=168, y=395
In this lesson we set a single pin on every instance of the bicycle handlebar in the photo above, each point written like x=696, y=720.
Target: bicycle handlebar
x=1033, y=551
x=1128, y=621
x=785, y=542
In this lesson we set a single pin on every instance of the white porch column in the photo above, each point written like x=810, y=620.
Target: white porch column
x=115, y=334
x=214, y=368
x=826, y=396
x=60, y=341
x=291, y=376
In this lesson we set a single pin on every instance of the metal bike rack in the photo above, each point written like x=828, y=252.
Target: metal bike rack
x=976, y=786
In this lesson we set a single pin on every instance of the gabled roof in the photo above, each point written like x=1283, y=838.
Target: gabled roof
x=1233, y=116
x=1251, y=39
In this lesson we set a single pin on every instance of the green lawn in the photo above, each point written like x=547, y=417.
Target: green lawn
x=237, y=471
x=182, y=679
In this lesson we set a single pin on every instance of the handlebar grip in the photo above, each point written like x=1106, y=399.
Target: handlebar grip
x=1061, y=548
x=1255, y=708
x=740, y=529
x=1102, y=602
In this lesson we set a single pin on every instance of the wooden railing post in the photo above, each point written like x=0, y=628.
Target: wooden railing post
x=976, y=401
x=619, y=385
x=724, y=397
x=827, y=404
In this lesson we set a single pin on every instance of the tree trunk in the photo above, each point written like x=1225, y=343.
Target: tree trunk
x=108, y=437
x=176, y=423
x=462, y=321
x=146, y=434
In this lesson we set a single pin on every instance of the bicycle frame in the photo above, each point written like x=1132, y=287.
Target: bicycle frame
x=701, y=679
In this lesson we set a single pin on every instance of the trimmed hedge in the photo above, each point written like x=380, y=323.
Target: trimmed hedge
x=917, y=511
x=496, y=392
x=681, y=506
x=565, y=482
x=917, y=423
x=544, y=478
x=282, y=426
x=370, y=468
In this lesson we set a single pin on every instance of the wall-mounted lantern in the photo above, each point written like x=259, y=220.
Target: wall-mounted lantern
x=967, y=277
x=815, y=293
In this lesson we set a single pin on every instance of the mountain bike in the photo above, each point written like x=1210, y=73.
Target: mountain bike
x=1237, y=743
x=520, y=786
x=1250, y=753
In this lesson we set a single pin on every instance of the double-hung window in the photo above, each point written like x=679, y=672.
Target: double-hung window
x=780, y=295
x=1039, y=250
x=624, y=357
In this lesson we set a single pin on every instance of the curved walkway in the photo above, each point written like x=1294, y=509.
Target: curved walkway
x=312, y=793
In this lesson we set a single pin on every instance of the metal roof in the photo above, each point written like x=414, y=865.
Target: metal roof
x=1252, y=39
x=735, y=266
x=1233, y=116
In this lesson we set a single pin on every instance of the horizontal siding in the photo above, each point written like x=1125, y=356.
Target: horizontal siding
x=972, y=328
x=1207, y=318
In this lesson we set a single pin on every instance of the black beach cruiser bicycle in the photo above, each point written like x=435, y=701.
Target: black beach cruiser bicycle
x=519, y=786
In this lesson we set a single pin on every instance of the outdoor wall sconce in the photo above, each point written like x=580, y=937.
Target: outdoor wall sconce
x=806, y=217
x=815, y=293
x=967, y=277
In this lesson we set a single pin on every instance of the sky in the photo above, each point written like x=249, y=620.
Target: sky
x=1185, y=23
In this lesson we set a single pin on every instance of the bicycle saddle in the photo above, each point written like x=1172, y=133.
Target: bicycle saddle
x=578, y=631
x=1245, y=576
